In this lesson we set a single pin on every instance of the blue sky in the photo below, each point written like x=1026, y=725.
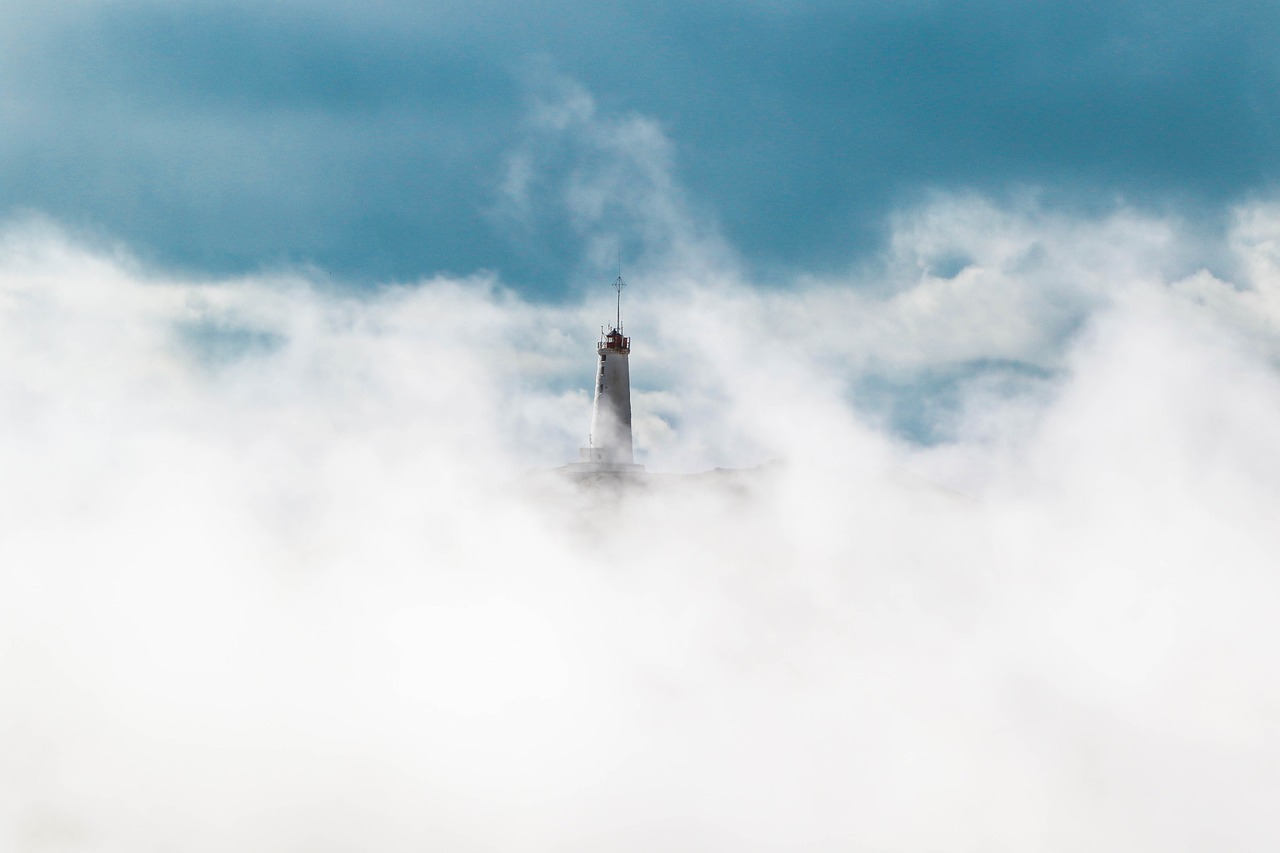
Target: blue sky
x=376, y=141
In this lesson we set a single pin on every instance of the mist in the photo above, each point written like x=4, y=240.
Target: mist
x=281, y=567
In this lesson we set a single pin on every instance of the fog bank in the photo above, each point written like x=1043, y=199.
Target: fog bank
x=277, y=571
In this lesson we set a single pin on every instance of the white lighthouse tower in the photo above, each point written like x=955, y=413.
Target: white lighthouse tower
x=609, y=446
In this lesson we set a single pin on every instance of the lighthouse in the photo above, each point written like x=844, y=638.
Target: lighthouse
x=609, y=445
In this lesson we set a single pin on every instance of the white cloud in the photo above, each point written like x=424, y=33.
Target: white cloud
x=273, y=574
x=612, y=178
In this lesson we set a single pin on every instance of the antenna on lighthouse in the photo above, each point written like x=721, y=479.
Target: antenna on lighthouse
x=618, y=284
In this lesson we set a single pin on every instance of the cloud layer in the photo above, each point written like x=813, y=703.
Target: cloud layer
x=278, y=572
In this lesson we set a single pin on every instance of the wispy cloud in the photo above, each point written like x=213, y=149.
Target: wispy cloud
x=608, y=179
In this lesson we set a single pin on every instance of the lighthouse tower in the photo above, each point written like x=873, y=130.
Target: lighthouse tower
x=609, y=447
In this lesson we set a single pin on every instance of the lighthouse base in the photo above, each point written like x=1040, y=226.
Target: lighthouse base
x=592, y=460
x=604, y=468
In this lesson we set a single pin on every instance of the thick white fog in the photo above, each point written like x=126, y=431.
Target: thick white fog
x=278, y=571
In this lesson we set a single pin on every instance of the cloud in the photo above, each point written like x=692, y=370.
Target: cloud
x=605, y=183
x=276, y=572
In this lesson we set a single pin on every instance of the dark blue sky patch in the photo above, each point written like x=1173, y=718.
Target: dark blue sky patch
x=928, y=407
x=372, y=140
x=215, y=344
